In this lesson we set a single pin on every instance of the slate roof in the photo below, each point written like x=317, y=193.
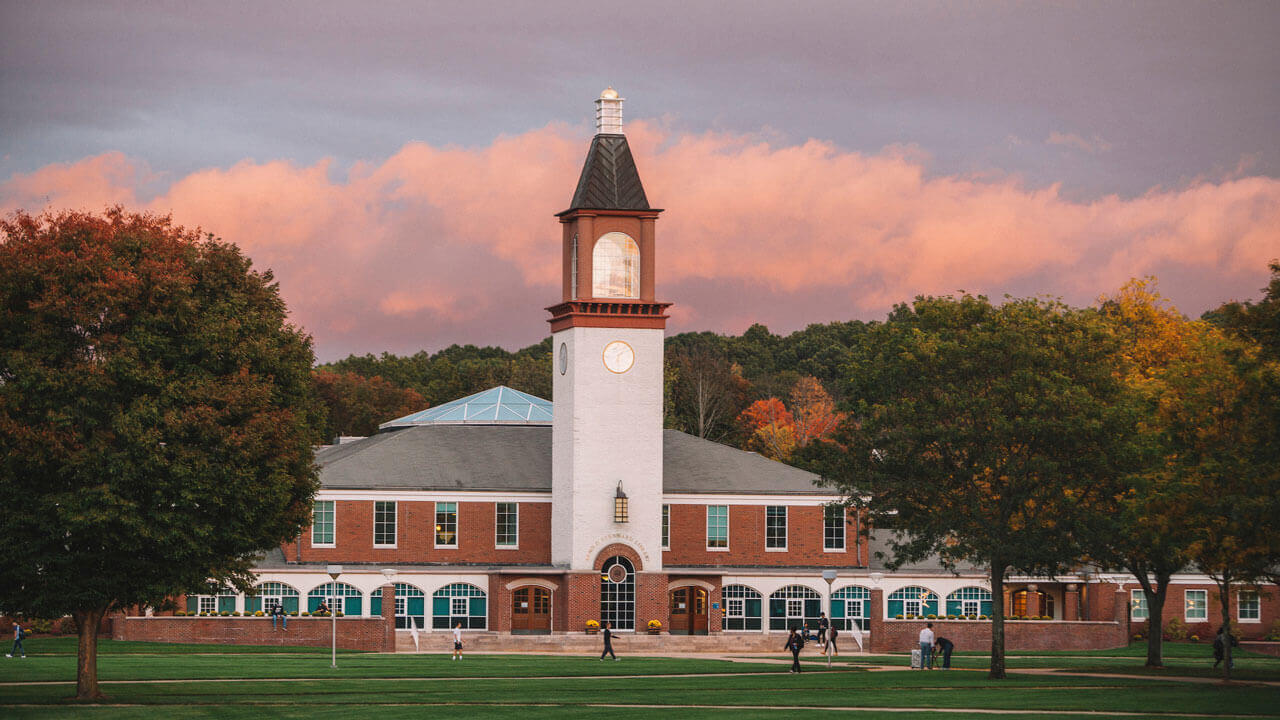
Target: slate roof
x=609, y=179
x=518, y=458
x=498, y=405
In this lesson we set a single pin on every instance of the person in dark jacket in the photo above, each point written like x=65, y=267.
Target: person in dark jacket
x=823, y=625
x=1220, y=647
x=608, y=641
x=831, y=642
x=946, y=646
x=18, y=635
x=795, y=643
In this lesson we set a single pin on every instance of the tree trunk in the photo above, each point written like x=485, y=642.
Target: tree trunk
x=1155, y=615
x=87, y=622
x=1224, y=596
x=997, y=622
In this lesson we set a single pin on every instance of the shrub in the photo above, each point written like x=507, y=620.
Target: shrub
x=931, y=616
x=983, y=617
x=305, y=613
x=1194, y=638
x=655, y=625
x=225, y=613
x=593, y=624
x=258, y=613
x=951, y=617
x=1137, y=636
x=293, y=613
x=341, y=614
x=179, y=613
x=898, y=616
x=1175, y=630
x=1274, y=633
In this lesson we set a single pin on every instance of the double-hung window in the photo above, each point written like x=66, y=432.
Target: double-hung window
x=508, y=525
x=833, y=528
x=1137, y=605
x=384, y=524
x=1249, y=609
x=717, y=527
x=322, y=523
x=775, y=527
x=666, y=527
x=447, y=524
x=1197, y=605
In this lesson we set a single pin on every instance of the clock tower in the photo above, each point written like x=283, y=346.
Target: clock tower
x=607, y=334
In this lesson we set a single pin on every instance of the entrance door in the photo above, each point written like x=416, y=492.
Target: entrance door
x=689, y=611
x=531, y=611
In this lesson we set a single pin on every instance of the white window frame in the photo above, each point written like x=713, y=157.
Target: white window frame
x=726, y=529
x=844, y=532
x=333, y=529
x=786, y=528
x=1256, y=602
x=1138, y=605
x=735, y=607
x=211, y=601
x=497, y=525
x=395, y=517
x=912, y=607
x=455, y=603
x=435, y=514
x=666, y=526
x=1188, y=605
x=971, y=607
x=795, y=608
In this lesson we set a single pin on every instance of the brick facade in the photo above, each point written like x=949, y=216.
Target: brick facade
x=1176, y=606
x=366, y=633
x=898, y=636
x=688, y=531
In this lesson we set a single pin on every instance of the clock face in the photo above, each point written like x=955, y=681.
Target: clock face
x=618, y=357
x=564, y=359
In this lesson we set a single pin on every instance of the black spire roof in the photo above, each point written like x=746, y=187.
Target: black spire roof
x=609, y=178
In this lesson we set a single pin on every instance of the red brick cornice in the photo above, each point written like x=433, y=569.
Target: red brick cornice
x=608, y=313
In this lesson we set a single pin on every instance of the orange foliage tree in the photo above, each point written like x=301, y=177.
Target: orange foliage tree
x=770, y=427
x=814, y=411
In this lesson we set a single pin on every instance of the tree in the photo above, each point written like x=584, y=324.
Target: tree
x=156, y=417
x=813, y=409
x=770, y=428
x=1258, y=321
x=1150, y=530
x=980, y=433
x=356, y=405
x=707, y=391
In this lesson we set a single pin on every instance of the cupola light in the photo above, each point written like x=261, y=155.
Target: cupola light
x=609, y=113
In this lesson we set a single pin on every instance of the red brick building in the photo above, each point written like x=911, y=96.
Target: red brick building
x=504, y=512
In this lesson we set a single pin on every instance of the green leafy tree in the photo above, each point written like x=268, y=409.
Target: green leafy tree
x=356, y=405
x=156, y=417
x=981, y=434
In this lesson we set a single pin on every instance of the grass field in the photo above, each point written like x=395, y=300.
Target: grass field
x=201, y=681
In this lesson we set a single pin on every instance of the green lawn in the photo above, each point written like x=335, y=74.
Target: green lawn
x=533, y=687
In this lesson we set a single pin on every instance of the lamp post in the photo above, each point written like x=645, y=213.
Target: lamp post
x=334, y=571
x=830, y=577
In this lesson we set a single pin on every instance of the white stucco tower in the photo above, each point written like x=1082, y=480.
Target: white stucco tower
x=607, y=335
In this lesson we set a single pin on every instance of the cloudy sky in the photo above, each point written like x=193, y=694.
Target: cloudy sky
x=398, y=165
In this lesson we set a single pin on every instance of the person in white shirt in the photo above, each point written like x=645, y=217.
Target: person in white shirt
x=926, y=647
x=457, y=642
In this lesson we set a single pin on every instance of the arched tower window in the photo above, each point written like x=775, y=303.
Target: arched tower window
x=618, y=594
x=615, y=267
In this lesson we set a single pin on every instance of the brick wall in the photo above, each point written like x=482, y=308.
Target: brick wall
x=369, y=634
x=746, y=539
x=903, y=635
x=1175, y=607
x=415, y=535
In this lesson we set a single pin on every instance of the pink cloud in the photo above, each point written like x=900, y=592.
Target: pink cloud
x=443, y=244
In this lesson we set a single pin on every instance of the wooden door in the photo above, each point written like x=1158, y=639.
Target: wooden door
x=688, y=611
x=531, y=610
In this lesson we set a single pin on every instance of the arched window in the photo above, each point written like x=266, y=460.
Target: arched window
x=411, y=606
x=615, y=267
x=969, y=601
x=459, y=603
x=268, y=595
x=849, y=608
x=618, y=594
x=338, y=596
x=215, y=600
x=742, y=607
x=912, y=601
x=793, y=606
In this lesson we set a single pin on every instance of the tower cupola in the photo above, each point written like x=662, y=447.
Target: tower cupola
x=609, y=112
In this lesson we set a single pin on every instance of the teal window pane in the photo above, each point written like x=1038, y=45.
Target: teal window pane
x=752, y=609
x=954, y=607
x=226, y=603
x=193, y=604
x=375, y=604
x=417, y=606
x=837, y=609
x=895, y=607
x=252, y=604
x=440, y=607
x=313, y=602
x=477, y=608
x=291, y=604
x=353, y=605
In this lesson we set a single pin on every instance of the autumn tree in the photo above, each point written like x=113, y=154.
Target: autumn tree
x=707, y=391
x=156, y=417
x=356, y=405
x=770, y=428
x=980, y=433
x=1150, y=531
x=814, y=411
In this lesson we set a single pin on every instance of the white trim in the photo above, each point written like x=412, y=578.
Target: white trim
x=1186, y=605
x=1257, y=598
x=729, y=499
x=522, y=582
x=434, y=495
x=690, y=583
x=835, y=550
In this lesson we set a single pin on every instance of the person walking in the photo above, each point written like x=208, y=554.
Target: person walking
x=823, y=625
x=457, y=641
x=1220, y=647
x=608, y=641
x=946, y=646
x=18, y=635
x=831, y=642
x=795, y=643
x=926, y=647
